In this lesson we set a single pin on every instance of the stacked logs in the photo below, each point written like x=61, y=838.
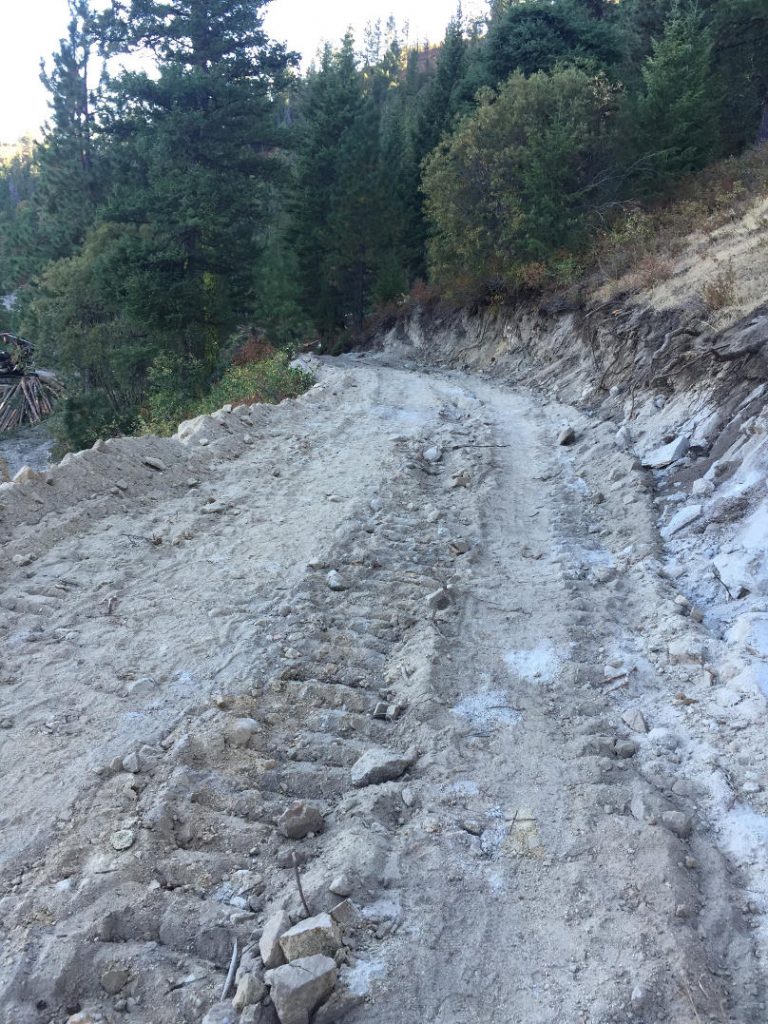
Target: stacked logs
x=26, y=396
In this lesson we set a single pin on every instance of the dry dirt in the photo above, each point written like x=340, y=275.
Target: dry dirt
x=545, y=860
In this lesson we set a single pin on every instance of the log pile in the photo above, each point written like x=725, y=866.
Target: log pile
x=26, y=396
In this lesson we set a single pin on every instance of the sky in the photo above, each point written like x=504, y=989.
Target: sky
x=31, y=29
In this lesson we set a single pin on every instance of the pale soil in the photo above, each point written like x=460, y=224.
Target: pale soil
x=520, y=871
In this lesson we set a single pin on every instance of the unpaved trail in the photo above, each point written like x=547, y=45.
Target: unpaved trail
x=541, y=861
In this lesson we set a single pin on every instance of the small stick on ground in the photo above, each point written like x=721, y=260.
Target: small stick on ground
x=299, y=885
x=231, y=972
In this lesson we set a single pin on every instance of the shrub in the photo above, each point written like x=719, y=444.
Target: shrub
x=720, y=291
x=520, y=180
x=269, y=381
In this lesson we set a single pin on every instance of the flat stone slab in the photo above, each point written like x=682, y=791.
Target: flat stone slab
x=380, y=765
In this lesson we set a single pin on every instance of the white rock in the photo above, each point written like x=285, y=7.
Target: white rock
x=298, y=820
x=269, y=943
x=686, y=651
x=623, y=437
x=131, y=763
x=682, y=518
x=123, y=839
x=340, y=886
x=154, y=463
x=250, y=990
x=433, y=454
x=635, y=720
x=334, y=581
x=639, y=998
x=660, y=458
x=705, y=487
x=313, y=936
x=299, y=987
x=220, y=1013
x=240, y=732
x=678, y=823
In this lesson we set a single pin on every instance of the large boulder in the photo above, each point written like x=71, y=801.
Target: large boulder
x=298, y=988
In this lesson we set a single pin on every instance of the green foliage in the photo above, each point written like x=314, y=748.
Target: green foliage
x=270, y=380
x=674, y=122
x=537, y=35
x=349, y=215
x=520, y=179
x=175, y=384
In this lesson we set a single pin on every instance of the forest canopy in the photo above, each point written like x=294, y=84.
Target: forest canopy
x=167, y=216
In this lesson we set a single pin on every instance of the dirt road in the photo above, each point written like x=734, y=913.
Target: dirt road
x=205, y=636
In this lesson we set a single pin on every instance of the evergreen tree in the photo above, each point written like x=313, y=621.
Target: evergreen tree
x=331, y=107
x=194, y=154
x=675, y=121
x=536, y=35
x=67, y=174
x=520, y=179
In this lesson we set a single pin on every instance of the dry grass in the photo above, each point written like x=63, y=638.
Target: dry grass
x=640, y=250
x=720, y=291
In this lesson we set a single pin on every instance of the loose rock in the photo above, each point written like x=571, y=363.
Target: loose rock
x=680, y=520
x=299, y=820
x=115, y=979
x=250, y=990
x=678, y=823
x=567, y=436
x=269, y=943
x=340, y=886
x=220, y=1013
x=635, y=720
x=340, y=1004
x=669, y=453
x=123, y=839
x=334, y=581
x=298, y=988
x=154, y=463
x=380, y=765
x=315, y=935
x=240, y=732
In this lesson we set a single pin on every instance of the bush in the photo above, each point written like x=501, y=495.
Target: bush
x=520, y=180
x=720, y=291
x=269, y=381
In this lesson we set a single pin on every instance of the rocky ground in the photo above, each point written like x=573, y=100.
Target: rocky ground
x=396, y=691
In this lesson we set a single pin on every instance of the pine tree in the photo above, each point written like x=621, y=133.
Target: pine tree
x=195, y=152
x=68, y=176
x=676, y=116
